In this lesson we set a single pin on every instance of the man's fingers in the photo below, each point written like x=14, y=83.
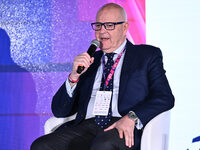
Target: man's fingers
x=82, y=60
x=132, y=139
x=86, y=55
x=120, y=133
x=127, y=138
x=110, y=127
x=125, y=128
x=92, y=60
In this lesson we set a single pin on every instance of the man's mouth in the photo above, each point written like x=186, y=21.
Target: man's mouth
x=104, y=39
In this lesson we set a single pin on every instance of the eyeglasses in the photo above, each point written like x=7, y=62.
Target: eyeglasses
x=107, y=25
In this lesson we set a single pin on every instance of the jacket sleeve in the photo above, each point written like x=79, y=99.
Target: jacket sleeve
x=62, y=104
x=160, y=97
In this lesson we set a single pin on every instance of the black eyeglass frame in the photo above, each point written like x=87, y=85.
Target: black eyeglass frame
x=104, y=24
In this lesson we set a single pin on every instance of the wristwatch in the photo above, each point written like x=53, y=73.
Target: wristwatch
x=133, y=116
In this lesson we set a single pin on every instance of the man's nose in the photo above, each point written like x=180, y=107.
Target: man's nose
x=103, y=29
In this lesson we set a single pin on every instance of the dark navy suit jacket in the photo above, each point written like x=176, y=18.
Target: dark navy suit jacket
x=143, y=87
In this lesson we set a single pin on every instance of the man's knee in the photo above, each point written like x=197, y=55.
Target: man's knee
x=102, y=143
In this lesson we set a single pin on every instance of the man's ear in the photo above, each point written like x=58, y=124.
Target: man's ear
x=126, y=25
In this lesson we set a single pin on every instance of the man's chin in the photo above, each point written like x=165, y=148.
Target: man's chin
x=106, y=50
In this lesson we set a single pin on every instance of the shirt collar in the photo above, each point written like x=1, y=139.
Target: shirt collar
x=121, y=48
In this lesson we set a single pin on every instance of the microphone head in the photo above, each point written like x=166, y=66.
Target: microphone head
x=96, y=43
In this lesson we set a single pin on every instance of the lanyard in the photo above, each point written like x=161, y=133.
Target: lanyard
x=112, y=69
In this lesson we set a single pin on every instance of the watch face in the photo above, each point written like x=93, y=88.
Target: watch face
x=131, y=115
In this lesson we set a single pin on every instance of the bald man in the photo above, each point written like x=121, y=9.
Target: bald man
x=120, y=90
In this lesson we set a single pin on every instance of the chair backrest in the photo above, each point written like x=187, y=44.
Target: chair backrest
x=156, y=133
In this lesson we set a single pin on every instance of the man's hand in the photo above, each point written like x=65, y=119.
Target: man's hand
x=125, y=127
x=82, y=59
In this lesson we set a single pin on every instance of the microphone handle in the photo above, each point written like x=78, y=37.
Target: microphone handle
x=91, y=52
x=80, y=69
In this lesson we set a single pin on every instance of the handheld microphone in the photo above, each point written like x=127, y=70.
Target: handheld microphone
x=91, y=50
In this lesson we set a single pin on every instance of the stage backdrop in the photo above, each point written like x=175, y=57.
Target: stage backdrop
x=38, y=42
x=173, y=25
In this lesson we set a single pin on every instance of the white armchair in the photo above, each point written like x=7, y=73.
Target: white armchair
x=155, y=134
x=53, y=123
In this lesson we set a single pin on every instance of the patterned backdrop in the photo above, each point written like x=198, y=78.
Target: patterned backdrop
x=38, y=41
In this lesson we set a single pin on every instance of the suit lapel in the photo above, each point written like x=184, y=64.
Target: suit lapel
x=127, y=66
x=90, y=74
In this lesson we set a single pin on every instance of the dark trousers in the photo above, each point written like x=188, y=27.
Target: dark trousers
x=85, y=136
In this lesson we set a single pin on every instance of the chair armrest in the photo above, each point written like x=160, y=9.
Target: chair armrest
x=53, y=123
x=156, y=133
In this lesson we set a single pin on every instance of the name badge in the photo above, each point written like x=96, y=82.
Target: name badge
x=102, y=103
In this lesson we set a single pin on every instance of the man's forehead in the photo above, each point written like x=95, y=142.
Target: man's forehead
x=109, y=14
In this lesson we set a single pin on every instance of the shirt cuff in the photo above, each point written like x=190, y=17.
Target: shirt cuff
x=70, y=90
x=139, y=125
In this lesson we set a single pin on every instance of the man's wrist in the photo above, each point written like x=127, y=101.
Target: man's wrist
x=72, y=80
x=133, y=117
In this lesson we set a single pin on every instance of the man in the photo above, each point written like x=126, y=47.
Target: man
x=136, y=88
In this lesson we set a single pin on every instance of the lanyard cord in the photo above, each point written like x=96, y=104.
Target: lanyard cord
x=109, y=77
